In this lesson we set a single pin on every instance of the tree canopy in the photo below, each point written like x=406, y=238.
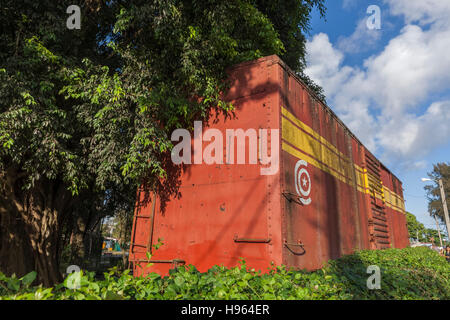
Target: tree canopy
x=86, y=115
x=418, y=231
x=440, y=171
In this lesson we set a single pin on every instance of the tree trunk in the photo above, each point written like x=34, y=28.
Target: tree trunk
x=78, y=250
x=83, y=223
x=30, y=227
x=14, y=244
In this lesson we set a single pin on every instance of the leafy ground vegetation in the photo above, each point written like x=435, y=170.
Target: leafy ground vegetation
x=411, y=273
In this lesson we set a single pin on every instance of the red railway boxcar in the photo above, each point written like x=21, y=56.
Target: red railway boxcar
x=304, y=191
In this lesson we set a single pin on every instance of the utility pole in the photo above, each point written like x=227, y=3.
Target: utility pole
x=439, y=231
x=444, y=204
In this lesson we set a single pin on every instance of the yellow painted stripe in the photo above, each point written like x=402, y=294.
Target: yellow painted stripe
x=360, y=189
x=303, y=126
x=293, y=151
x=309, y=130
x=323, y=155
x=366, y=180
x=308, y=144
x=360, y=169
x=394, y=200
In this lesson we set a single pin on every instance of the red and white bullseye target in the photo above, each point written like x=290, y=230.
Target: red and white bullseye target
x=302, y=182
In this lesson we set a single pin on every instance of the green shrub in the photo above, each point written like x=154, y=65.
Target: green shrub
x=412, y=273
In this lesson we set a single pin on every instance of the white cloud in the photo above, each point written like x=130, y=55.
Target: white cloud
x=361, y=40
x=417, y=135
x=421, y=11
x=383, y=101
x=413, y=65
x=346, y=4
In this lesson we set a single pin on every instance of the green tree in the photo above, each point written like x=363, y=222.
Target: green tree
x=416, y=229
x=43, y=163
x=432, y=234
x=86, y=115
x=291, y=19
x=440, y=171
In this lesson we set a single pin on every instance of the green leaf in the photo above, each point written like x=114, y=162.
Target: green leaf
x=29, y=278
x=14, y=284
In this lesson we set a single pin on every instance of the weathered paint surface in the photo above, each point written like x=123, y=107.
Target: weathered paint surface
x=329, y=197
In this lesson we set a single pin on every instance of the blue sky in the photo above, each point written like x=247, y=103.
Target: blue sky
x=390, y=86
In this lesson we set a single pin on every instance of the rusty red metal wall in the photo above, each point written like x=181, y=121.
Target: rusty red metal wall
x=329, y=197
x=332, y=223
x=223, y=206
